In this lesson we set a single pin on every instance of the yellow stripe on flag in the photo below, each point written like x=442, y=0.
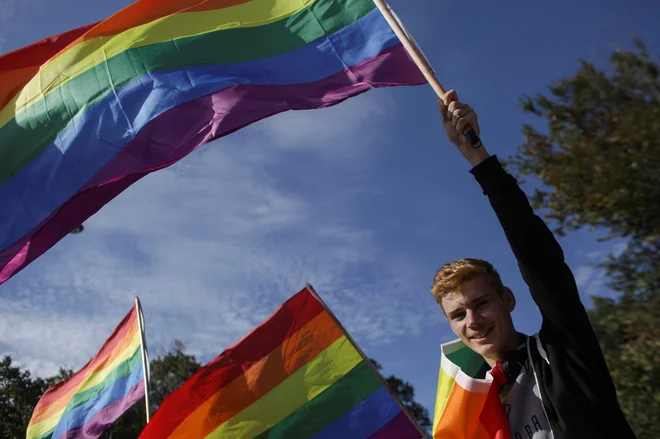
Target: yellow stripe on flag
x=91, y=53
x=301, y=387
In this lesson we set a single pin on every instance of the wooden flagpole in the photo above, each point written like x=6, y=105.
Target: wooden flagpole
x=422, y=62
x=366, y=359
x=145, y=357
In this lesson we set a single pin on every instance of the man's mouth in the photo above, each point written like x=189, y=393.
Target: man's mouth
x=481, y=336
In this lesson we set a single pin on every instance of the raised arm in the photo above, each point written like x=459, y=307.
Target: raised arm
x=539, y=256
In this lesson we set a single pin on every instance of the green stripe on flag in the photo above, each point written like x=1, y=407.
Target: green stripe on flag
x=31, y=131
x=334, y=402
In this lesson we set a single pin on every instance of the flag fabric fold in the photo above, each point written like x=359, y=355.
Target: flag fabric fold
x=85, y=114
x=85, y=404
x=297, y=375
x=466, y=407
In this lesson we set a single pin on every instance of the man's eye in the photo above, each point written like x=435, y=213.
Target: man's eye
x=482, y=304
x=458, y=316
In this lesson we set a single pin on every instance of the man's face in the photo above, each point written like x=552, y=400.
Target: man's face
x=482, y=318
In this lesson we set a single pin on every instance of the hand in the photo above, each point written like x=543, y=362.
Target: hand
x=457, y=119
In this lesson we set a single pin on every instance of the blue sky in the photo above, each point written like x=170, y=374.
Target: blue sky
x=364, y=200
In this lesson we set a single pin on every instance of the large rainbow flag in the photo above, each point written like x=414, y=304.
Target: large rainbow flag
x=297, y=375
x=85, y=114
x=85, y=404
x=466, y=407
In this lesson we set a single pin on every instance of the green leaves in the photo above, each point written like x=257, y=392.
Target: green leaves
x=19, y=393
x=600, y=154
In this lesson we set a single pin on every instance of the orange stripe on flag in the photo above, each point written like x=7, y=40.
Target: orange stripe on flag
x=261, y=378
x=281, y=328
x=145, y=11
x=458, y=418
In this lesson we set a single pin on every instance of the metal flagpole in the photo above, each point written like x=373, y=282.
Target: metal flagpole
x=145, y=358
x=366, y=359
x=420, y=59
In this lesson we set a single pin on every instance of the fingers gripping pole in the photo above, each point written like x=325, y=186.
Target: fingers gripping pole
x=418, y=56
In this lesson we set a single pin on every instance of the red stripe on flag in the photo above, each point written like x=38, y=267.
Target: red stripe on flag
x=19, y=66
x=286, y=322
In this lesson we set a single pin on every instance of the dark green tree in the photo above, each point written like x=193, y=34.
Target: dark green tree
x=406, y=393
x=170, y=371
x=19, y=393
x=61, y=375
x=598, y=159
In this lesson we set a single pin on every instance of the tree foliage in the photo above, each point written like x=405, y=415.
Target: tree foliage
x=19, y=393
x=629, y=333
x=601, y=154
x=170, y=371
x=598, y=160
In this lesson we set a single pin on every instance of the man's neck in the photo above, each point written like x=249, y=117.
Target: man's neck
x=515, y=344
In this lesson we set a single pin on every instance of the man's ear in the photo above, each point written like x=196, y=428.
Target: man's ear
x=509, y=299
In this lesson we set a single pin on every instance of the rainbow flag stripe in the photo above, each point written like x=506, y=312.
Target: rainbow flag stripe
x=297, y=375
x=94, y=397
x=466, y=407
x=85, y=114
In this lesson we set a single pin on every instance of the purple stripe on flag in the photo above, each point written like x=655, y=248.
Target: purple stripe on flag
x=106, y=416
x=399, y=427
x=176, y=133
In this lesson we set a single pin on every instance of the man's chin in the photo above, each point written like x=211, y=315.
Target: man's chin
x=482, y=349
x=487, y=350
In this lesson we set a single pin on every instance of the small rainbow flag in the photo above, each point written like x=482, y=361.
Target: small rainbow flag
x=297, y=375
x=86, y=403
x=85, y=114
x=466, y=407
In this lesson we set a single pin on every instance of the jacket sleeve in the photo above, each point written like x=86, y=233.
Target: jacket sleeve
x=541, y=262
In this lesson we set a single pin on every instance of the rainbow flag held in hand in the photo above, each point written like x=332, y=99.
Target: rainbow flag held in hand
x=85, y=114
x=466, y=407
x=297, y=375
x=86, y=403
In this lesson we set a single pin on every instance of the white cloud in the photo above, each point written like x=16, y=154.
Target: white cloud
x=590, y=280
x=589, y=277
x=212, y=246
x=583, y=274
x=42, y=342
x=348, y=132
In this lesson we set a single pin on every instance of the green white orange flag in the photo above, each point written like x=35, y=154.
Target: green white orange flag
x=466, y=407
x=297, y=375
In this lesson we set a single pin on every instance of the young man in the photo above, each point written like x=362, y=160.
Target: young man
x=557, y=382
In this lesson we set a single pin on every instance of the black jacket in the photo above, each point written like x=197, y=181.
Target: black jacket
x=577, y=390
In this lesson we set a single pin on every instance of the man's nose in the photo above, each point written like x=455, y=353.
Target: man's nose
x=473, y=319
